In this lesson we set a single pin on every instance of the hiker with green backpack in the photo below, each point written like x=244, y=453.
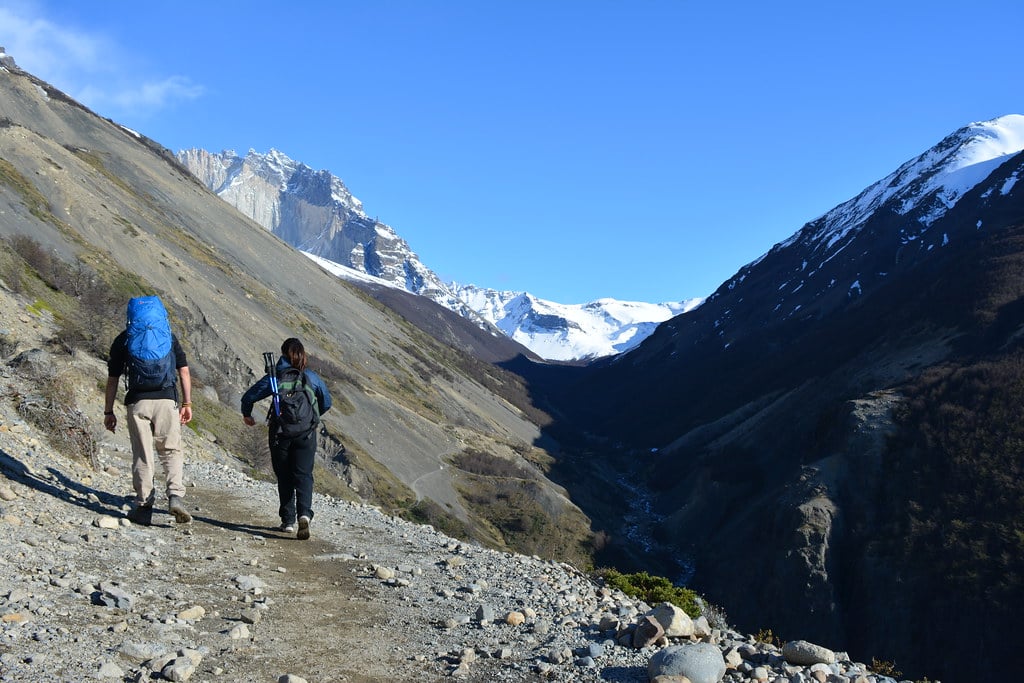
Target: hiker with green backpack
x=298, y=398
x=149, y=356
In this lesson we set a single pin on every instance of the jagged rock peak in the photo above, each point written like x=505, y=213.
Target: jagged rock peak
x=6, y=60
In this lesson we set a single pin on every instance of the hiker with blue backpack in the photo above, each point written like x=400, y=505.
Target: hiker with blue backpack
x=149, y=356
x=298, y=398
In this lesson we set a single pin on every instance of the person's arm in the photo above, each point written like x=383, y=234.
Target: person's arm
x=257, y=392
x=109, y=419
x=186, y=394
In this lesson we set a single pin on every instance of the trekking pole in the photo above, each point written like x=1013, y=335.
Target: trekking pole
x=268, y=365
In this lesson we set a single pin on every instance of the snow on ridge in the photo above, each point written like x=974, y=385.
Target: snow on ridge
x=603, y=327
x=946, y=171
x=347, y=273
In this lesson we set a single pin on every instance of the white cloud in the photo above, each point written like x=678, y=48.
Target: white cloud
x=141, y=97
x=88, y=66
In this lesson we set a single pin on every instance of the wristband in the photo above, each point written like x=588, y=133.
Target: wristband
x=108, y=413
x=186, y=405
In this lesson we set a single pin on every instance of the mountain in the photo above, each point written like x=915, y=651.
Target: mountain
x=834, y=433
x=829, y=446
x=315, y=212
x=570, y=332
x=92, y=213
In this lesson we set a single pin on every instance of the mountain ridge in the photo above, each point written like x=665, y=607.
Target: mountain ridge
x=777, y=408
x=316, y=213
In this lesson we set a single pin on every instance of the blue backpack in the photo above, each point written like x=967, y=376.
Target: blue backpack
x=150, y=357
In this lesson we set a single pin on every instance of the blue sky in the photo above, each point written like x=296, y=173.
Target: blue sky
x=640, y=150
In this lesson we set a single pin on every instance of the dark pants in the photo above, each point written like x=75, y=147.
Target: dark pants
x=292, y=460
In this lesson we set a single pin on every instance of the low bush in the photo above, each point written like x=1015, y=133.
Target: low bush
x=54, y=411
x=652, y=590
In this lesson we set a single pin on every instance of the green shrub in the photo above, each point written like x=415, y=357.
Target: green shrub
x=652, y=590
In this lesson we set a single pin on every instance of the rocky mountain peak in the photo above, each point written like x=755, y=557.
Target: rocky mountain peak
x=856, y=246
x=6, y=60
x=315, y=212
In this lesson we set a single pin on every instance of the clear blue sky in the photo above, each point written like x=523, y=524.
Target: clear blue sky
x=575, y=149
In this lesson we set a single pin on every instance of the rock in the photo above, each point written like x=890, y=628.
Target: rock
x=515, y=618
x=110, y=670
x=804, y=653
x=250, y=616
x=192, y=613
x=700, y=662
x=239, y=632
x=647, y=632
x=112, y=595
x=674, y=620
x=291, y=678
x=140, y=652
x=249, y=583
x=106, y=522
x=701, y=627
x=733, y=658
x=179, y=669
x=485, y=614
x=16, y=618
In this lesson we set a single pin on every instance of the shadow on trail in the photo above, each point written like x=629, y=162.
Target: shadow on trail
x=67, y=490
x=253, y=529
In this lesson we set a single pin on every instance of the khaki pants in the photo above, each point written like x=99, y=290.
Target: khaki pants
x=155, y=425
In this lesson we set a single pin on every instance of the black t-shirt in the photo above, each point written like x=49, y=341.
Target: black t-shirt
x=119, y=361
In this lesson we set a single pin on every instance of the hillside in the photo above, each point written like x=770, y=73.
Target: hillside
x=852, y=442
x=92, y=213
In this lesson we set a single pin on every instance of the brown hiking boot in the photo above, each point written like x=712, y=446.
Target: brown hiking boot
x=177, y=507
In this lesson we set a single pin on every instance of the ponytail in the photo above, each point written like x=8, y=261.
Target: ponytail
x=295, y=353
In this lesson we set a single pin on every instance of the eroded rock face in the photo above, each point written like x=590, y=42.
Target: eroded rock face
x=803, y=527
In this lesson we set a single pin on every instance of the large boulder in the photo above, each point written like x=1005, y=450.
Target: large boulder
x=674, y=620
x=700, y=662
x=804, y=653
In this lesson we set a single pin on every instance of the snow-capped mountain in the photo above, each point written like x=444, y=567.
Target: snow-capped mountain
x=855, y=247
x=797, y=407
x=316, y=213
x=570, y=331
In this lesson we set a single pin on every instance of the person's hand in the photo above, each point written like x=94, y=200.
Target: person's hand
x=247, y=419
x=110, y=422
x=186, y=414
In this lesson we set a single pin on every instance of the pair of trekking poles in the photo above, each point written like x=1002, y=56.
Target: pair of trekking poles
x=268, y=365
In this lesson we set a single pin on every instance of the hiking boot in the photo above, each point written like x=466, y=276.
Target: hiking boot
x=181, y=515
x=287, y=527
x=141, y=514
x=303, y=528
